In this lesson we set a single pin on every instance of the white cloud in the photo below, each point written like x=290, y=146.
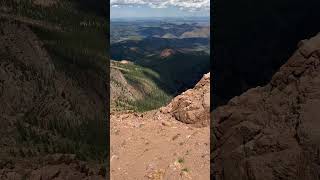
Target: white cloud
x=191, y=5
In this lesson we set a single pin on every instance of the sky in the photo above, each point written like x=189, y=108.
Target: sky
x=159, y=8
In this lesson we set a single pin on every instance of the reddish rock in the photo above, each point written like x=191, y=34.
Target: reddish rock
x=166, y=53
x=192, y=106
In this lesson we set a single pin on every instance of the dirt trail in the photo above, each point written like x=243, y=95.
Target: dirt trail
x=155, y=145
x=151, y=146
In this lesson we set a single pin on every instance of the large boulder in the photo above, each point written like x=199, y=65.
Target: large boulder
x=193, y=105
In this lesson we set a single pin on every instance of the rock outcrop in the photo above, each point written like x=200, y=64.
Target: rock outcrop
x=272, y=132
x=167, y=53
x=164, y=142
x=193, y=105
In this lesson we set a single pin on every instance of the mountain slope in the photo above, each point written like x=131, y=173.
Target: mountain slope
x=203, y=32
x=272, y=132
x=53, y=92
x=134, y=87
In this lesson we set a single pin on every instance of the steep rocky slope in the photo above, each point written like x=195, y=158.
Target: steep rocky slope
x=272, y=132
x=120, y=89
x=169, y=143
x=44, y=111
x=134, y=87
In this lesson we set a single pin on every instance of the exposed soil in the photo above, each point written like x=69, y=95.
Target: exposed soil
x=155, y=146
x=169, y=143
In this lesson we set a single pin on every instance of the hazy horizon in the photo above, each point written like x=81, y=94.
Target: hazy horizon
x=161, y=18
x=159, y=9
